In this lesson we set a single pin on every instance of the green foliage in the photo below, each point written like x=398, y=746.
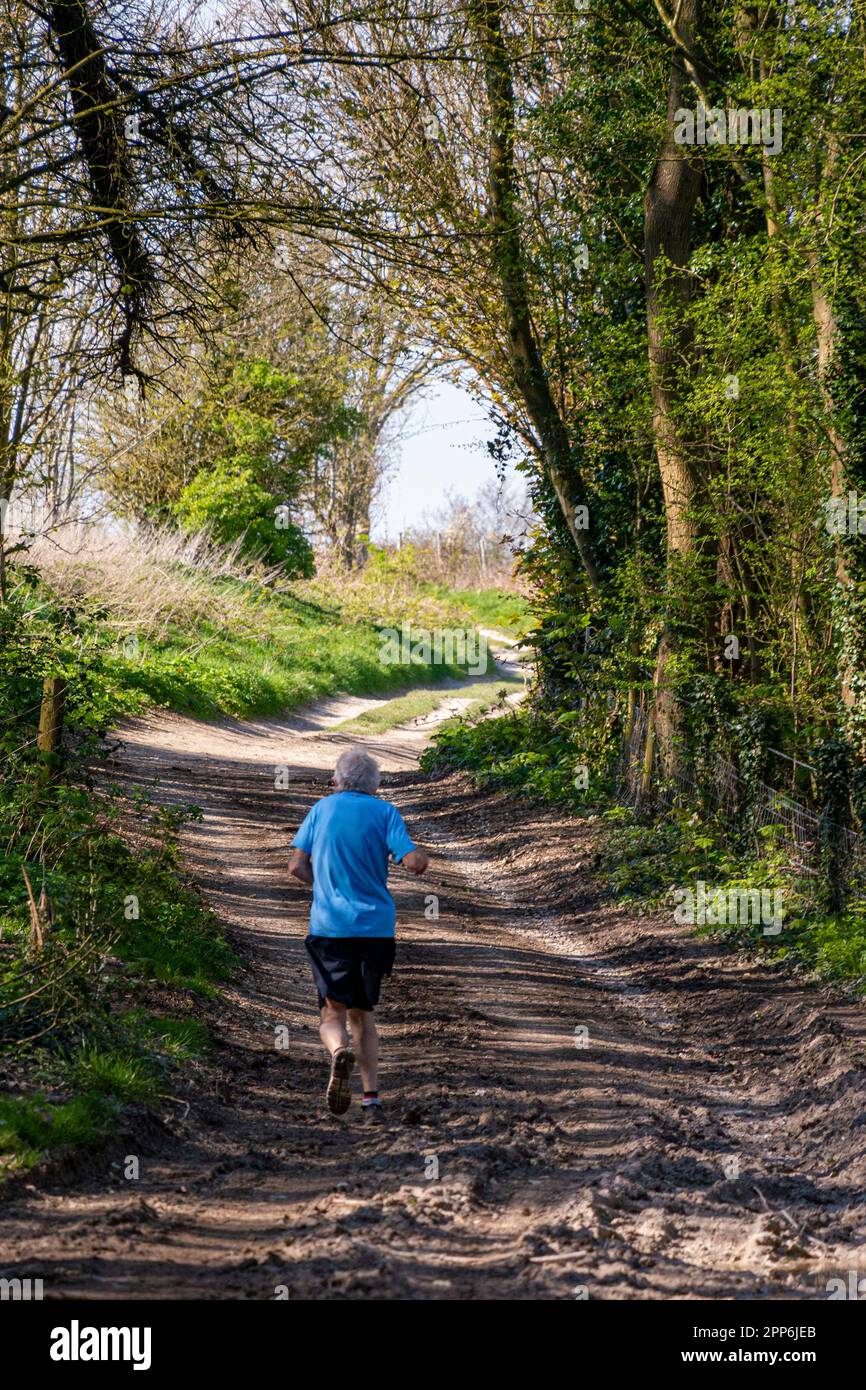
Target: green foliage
x=174, y=1038
x=763, y=417
x=95, y=881
x=121, y=1076
x=282, y=647
x=834, y=946
x=286, y=650
x=99, y=1080
x=31, y=1127
x=119, y=912
x=644, y=860
x=177, y=943
x=229, y=504
x=643, y=863
x=537, y=754
x=244, y=416
x=833, y=771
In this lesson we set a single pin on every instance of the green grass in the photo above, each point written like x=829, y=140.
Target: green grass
x=65, y=1019
x=644, y=861
x=120, y=1075
x=99, y=1079
x=284, y=652
x=177, y=941
x=834, y=946
x=524, y=751
x=419, y=703
x=32, y=1127
x=509, y=613
x=177, y=1039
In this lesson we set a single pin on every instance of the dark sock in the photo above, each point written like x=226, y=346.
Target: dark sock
x=371, y=1098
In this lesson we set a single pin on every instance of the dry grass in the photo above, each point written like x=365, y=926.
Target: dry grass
x=382, y=593
x=196, y=627
x=145, y=582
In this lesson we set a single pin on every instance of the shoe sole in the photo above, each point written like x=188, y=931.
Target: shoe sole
x=339, y=1092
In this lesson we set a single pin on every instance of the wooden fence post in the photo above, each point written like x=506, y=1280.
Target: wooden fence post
x=51, y=715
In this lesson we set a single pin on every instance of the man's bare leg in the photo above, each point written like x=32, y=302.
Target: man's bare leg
x=332, y=1031
x=332, y=1028
x=366, y=1040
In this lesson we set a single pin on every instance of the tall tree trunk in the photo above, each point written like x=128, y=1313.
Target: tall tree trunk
x=669, y=207
x=849, y=609
x=527, y=365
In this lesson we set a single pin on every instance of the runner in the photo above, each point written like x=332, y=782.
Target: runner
x=342, y=849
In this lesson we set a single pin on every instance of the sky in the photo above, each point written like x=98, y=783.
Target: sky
x=443, y=446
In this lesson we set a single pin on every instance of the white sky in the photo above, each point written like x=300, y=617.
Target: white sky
x=443, y=447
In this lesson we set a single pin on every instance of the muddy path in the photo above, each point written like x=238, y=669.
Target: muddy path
x=582, y=1102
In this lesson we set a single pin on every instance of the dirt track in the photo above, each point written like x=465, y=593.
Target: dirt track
x=708, y=1141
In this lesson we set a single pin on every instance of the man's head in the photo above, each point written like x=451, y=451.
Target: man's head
x=356, y=771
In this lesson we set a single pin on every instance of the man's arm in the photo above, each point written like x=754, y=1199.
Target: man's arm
x=416, y=860
x=301, y=866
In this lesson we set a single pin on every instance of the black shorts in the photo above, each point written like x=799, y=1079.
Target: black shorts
x=349, y=969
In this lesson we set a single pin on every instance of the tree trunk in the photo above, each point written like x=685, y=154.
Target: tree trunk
x=849, y=611
x=669, y=207
x=530, y=377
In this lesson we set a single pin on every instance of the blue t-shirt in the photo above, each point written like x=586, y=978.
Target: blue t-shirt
x=348, y=836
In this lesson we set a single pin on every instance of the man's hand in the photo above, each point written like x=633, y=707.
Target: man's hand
x=301, y=866
x=417, y=861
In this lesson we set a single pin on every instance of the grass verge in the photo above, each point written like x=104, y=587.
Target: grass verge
x=111, y=920
x=481, y=695
x=508, y=613
x=177, y=622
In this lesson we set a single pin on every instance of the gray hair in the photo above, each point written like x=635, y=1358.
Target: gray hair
x=356, y=771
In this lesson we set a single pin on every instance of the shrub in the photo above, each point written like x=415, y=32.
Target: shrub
x=229, y=503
